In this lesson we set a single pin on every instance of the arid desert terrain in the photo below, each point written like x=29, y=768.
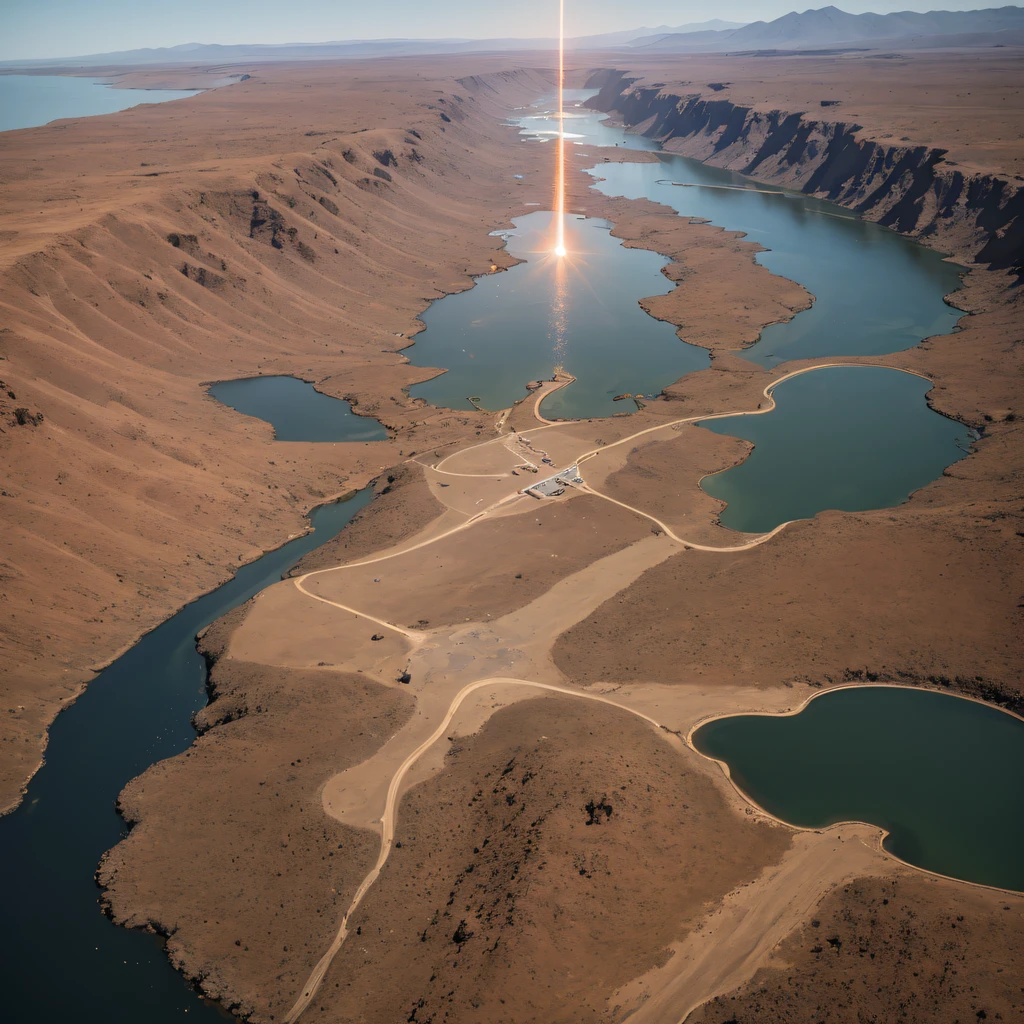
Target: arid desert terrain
x=446, y=769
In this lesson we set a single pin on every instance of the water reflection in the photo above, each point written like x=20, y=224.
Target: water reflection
x=559, y=319
x=875, y=291
x=580, y=312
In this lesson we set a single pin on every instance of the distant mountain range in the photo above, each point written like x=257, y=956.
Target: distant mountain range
x=831, y=27
x=227, y=53
x=827, y=28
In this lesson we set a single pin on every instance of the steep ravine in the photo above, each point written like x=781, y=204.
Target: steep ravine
x=979, y=218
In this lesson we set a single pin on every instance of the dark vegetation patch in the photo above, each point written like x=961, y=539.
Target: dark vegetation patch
x=598, y=810
x=24, y=417
x=187, y=243
x=329, y=205
x=203, y=276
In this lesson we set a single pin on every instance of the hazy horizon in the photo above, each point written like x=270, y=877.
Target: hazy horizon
x=53, y=29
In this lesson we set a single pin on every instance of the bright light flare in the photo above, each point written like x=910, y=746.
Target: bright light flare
x=560, y=155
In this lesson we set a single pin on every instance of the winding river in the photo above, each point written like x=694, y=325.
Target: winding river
x=63, y=960
x=876, y=292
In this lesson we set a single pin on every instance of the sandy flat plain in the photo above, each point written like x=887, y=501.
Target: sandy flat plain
x=552, y=849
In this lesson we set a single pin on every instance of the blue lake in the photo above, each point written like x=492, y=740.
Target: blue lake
x=845, y=437
x=874, y=291
x=581, y=312
x=296, y=410
x=939, y=773
x=30, y=100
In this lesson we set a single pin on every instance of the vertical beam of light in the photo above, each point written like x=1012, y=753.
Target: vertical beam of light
x=560, y=317
x=560, y=155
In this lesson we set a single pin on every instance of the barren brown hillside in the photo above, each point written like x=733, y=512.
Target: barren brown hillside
x=558, y=853
x=293, y=223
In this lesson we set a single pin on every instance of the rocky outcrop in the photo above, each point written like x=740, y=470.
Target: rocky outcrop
x=913, y=189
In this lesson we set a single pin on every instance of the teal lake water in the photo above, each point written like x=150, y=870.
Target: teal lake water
x=581, y=312
x=849, y=438
x=875, y=291
x=940, y=774
x=27, y=101
x=296, y=410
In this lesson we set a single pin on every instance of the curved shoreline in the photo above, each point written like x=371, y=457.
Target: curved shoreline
x=756, y=541
x=884, y=833
x=570, y=379
x=99, y=666
x=418, y=638
x=389, y=816
x=767, y=392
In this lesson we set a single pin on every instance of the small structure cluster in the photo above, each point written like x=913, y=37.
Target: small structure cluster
x=553, y=486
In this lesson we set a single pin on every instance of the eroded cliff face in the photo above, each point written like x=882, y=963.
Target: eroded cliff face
x=147, y=253
x=913, y=189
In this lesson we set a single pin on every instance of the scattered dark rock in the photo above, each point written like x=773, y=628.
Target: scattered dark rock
x=204, y=277
x=190, y=243
x=24, y=418
x=595, y=810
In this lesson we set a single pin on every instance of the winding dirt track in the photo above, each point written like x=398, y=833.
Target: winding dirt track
x=390, y=815
x=390, y=811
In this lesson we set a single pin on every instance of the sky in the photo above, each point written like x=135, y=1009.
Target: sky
x=32, y=29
